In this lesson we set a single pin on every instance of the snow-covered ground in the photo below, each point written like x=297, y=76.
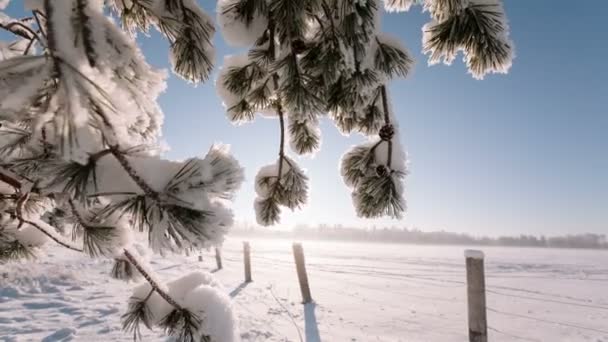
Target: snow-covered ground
x=363, y=292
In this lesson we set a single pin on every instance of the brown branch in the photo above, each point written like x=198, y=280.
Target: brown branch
x=96, y=156
x=20, y=30
x=20, y=203
x=8, y=178
x=387, y=121
x=36, y=14
x=51, y=39
x=76, y=213
x=279, y=106
x=50, y=235
x=282, y=148
x=28, y=47
x=133, y=261
x=151, y=281
x=126, y=165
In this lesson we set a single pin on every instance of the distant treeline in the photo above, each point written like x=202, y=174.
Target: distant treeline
x=415, y=236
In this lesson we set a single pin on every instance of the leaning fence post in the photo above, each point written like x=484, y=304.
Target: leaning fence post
x=298, y=255
x=218, y=258
x=476, y=294
x=247, y=257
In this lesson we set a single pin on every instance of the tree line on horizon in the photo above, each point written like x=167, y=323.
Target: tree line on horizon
x=417, y=236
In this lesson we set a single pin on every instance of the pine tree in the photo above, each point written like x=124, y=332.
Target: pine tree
x=314, y=57
x=79, y=136
x=79, y=124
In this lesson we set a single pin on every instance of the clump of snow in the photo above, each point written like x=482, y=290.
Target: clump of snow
x=179, y=289
x=229, y=99
x=473, y=254
x=224, y=174
x=220, y=223
x=219, y=320
x=398, y=5
x=399, y=157
x=122, y=236
x=262, y=188
x=159, y=308
x=267, y=175
x=31, y=236
x=235, y=30
x=182, y=285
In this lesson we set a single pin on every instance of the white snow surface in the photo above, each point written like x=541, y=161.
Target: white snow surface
x=473, y=254
x=235, y=30
x=363, y=292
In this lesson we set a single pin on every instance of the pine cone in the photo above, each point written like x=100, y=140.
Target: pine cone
x=382, y=170
x=298, y=46
x=387, y=132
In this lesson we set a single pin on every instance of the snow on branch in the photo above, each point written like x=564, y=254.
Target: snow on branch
x=79, y=134
x=80, y=125
x=398, y=5
x=477, y=27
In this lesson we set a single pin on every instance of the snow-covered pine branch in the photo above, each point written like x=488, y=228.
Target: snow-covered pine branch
x=80, y=166
x=478, y=28
x=79, y=125
x=309, y=58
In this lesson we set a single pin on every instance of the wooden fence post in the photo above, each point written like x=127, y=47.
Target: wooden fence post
x=247, y=255
x=476, y=294
x=298, y=255
x=218, y=258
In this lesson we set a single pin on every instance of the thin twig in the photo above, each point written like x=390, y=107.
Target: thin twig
x=288, y=313
x=150, y=280
x=9, y=27
x=28, y=47
x=8, y=178
x=282, y=148
x=36, y=14
x=76, y=213
x=51, y=235
x=279, y=106
x=126, y=165
x=387, y=121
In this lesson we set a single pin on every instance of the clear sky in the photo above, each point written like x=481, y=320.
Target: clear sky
x=525, y=152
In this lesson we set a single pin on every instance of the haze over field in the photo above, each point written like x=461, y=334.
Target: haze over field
x=395, y=234
x=362, y=292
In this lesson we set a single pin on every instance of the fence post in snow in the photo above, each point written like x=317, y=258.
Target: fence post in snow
x=247, y=254
x=218, y=258
x=476, y=294
x=298, y=255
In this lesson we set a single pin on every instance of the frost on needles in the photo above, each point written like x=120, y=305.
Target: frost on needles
x=308, y=59
x=80, y=157
x=80, y=163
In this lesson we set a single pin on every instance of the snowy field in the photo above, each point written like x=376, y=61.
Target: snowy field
x=363, y=292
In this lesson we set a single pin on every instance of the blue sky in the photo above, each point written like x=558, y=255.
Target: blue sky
x=519, y=153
